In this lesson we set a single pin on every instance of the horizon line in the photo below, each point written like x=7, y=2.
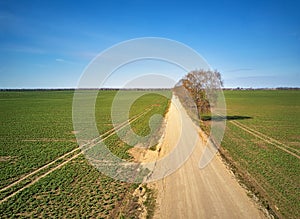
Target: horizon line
x=138, y=88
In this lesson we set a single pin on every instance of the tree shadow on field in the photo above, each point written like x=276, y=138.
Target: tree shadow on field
x=221, y=118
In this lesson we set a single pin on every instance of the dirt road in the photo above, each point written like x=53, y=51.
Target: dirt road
x=191, y=192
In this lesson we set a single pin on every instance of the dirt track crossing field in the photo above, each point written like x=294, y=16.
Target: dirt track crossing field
x=191, y=192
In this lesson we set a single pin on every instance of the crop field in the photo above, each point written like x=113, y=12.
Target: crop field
x=43, y=172
x=262, y=142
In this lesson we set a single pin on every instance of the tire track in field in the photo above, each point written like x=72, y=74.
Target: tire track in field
x=269, y=138
x=266, y=139
x=93, y=141
x=59, y=158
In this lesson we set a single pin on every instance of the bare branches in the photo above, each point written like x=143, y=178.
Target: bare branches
x=202, y=86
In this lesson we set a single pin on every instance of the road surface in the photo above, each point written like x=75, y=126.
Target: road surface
x=190, y=192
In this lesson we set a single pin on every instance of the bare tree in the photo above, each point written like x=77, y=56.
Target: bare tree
x=202, y=86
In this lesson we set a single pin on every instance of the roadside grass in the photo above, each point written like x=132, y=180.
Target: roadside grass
x=150, y=202
x=77, y=189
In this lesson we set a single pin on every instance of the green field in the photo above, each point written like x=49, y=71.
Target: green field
x=262, y=142
x=37, y=134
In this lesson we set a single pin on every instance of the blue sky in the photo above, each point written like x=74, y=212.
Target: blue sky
x=48, y=44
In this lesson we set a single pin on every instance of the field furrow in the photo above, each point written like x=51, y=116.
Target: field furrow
x=68, y=182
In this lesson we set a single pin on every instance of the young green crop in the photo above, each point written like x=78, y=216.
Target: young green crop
x=273, y=172
x=36, y=129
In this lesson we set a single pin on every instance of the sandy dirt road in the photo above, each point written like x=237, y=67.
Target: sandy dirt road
x=190, y=192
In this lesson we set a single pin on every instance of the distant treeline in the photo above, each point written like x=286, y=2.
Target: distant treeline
x=277, y=88
x=37, y=89
x=137, y=89
x=73, y=89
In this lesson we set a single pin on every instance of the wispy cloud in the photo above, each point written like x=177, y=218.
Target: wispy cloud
x=60, y=60
x=255, y=81
x=85, y=54
x=23, y=49
x=257, y=77
x=240, y=69
x=64, y=61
